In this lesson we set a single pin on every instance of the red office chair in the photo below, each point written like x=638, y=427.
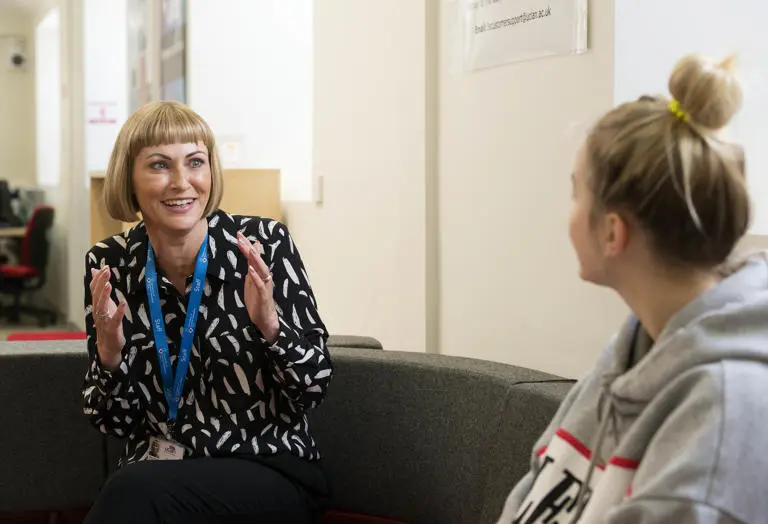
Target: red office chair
x=29, y=274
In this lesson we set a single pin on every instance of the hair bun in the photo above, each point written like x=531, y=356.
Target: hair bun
x=708, y=91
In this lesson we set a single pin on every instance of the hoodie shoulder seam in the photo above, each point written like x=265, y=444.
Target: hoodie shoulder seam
x=720, y=432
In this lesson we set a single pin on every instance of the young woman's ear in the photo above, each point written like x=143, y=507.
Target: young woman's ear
x=616, y=235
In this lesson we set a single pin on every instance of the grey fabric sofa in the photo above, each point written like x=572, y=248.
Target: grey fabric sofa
x=418, y=438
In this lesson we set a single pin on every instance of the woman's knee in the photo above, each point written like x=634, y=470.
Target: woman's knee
x=131, y=488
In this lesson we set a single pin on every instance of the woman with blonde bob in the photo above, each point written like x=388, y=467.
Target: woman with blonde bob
x=206, y=348
x=666, y=426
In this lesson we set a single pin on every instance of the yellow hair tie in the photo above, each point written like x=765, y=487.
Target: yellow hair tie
x=674, y=107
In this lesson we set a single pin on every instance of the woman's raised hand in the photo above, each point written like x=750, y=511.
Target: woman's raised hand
x=107, y=319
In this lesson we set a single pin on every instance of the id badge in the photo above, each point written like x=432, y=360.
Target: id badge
x=161, y=449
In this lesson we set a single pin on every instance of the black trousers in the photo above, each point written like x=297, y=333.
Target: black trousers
x=205, y=490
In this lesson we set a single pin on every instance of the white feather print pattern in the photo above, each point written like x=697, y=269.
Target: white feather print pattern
x=185, y=428
x=145, y=391
x=211, y=328
x=228, y=387
x=206, y=432
x=238, y=302
x=212, y=246
x=291, y=272
x=232, y=320
x=235, y=447
x=214, y=221
x=229, y=237
x=285, y=288
x=285, y=441
x=199, y=413
x=99, y=244
x=225, y=405
x=242, y=378
x=220, y=301
x=255, y=445
x=214, y=399
x=323, y=373
x=148, y=368
x=262, y=233
x=310, y=318
x=120, y=241
x=243, y=434
x=232, y=258
x=235, y=344
x=207, y=290
x=309, y=354
x=296, y=319
x=272, y=448
x=143, y=316
x=271, y=226
x=194, y=442
x=273, y=247
x=259, y=380
x=215, y=423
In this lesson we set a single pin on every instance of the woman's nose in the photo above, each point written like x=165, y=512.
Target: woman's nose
x=179, y=178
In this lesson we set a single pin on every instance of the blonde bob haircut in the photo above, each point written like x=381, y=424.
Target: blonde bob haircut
x=154, y=124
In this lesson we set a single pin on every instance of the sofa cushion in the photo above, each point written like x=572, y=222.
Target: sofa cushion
x=424, y=438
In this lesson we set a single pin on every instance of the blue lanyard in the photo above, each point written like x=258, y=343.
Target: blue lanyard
x=173, y=386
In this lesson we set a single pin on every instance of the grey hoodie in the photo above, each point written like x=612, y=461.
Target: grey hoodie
x=679, y=435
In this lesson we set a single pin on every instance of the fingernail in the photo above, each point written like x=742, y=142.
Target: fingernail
x=251, y=270
x=93, y=271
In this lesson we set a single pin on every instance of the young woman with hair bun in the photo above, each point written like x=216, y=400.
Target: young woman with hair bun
x=665, y=427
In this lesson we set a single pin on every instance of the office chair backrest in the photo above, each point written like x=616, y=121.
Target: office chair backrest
x=7, y=215
x=35, y=246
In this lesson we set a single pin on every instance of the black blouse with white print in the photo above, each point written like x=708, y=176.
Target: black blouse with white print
x=241, y=396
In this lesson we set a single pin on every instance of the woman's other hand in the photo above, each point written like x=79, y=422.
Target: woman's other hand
x=258, y=291
x=107, y=319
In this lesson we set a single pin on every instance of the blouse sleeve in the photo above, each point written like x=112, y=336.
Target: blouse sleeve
x=299, y=359
x=110, y=398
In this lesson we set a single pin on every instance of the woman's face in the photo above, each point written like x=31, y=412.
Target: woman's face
x=582, y=227
x=172, y=184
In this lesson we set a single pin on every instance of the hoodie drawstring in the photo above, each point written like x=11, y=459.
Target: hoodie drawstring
x=581, y=501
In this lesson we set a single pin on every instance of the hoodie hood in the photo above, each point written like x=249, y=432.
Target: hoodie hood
x=730, y=321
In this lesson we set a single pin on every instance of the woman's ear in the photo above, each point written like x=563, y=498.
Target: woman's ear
x=616, y=235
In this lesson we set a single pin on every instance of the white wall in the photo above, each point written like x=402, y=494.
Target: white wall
x=249, y=74
x=721, y=27
x=365, y=246
x=509, y=285
x=17, y=104
x=106, y=78
x=48, y=99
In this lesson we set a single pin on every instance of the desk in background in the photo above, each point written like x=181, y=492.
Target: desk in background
x=246, y=192
x=12, y=232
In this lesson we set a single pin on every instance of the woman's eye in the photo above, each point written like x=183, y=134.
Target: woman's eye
x=159, y=165
x=196, y=162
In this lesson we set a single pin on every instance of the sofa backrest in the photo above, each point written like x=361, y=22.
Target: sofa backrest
x=428, y=438
x=417, y=438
